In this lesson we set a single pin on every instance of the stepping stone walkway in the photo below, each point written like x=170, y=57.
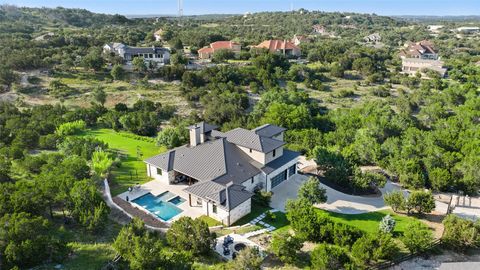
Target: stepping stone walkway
x=259, y=220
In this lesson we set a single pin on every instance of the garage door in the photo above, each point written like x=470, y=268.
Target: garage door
x=279, y=178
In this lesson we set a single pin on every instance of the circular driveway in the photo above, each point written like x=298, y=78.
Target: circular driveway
x=337, y=201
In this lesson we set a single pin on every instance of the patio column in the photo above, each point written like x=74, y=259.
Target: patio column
x=190, y=200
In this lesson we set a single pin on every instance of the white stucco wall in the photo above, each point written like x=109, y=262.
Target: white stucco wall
x=257, y=179
x=255, y=155
x=165, y=177
x=269, y=156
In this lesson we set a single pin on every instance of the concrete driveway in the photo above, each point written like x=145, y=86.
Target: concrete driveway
x=337, y=201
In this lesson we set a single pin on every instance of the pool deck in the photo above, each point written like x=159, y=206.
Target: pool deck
x=156, y=188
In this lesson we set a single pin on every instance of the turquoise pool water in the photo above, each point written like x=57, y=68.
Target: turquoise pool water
x=163, y=205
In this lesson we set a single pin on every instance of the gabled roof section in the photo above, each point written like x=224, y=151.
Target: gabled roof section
x=218, y=193
x=203, y=162
x=268, y=130
x=249, y=139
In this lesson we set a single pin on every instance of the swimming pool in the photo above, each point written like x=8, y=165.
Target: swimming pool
x=163, y=205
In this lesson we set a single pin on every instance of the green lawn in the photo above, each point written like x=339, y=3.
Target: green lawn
x=132, y=169
x=210, y=221
x=368, y=222
x=257, y=210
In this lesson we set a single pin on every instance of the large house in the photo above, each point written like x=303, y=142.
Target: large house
x=299, y=39
x=413, y=65
x=207, y=52
x=221, y=170
x=149, y=54
x=423, y=50
x=284, y=47
x=420, y=56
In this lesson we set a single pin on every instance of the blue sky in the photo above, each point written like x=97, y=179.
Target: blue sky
x=383, y=7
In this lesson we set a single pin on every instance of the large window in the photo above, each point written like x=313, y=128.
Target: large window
x=279, y=178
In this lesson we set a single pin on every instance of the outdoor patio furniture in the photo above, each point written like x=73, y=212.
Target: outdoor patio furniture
x=226, y=251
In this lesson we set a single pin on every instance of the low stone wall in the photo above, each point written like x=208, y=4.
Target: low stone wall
x=130, y=211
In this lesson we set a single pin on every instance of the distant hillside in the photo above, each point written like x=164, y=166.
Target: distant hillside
x=433, y=19
x=58, y=17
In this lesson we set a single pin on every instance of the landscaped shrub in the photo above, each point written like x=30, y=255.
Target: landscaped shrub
x=326, y=256
x=262, y=198
x=270, y=216
x=48, y=142
x=421, y=201
x=417, y=237
x=345, y=235
x=380, y=92
x=395, y=200
x=461, y=234
x=387, y=224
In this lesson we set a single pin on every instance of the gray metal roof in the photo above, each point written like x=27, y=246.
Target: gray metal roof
x=216, y=160
x=135, y=50
x=280, y=161
x=250, y=139
x=218, y=193
x=268, y=130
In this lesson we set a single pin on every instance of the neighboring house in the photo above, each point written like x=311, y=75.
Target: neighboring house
x=422, y=50
x=320, y=29
x=158, y=35
x=221, y=170
x=149, y=54
x=468, y=29
x=418, y=56
x=373, y=38
x=299, y=39
x=413, y=65
x=207, y=52
x=284, y=47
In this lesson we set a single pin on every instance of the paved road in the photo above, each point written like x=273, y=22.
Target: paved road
x=337, y=201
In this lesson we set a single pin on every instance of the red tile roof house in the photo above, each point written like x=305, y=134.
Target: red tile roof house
x=423, y=50
x=280, y=46
x=207, y=52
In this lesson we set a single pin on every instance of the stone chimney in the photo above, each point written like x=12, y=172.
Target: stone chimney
x=195, y=135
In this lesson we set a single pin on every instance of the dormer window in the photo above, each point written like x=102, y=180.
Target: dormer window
x=274, y=152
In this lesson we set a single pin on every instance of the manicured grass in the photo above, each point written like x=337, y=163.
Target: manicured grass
x=257, y=210
x=132, y=169
x=280, y=222
x=368, y=222
x=210, y=221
